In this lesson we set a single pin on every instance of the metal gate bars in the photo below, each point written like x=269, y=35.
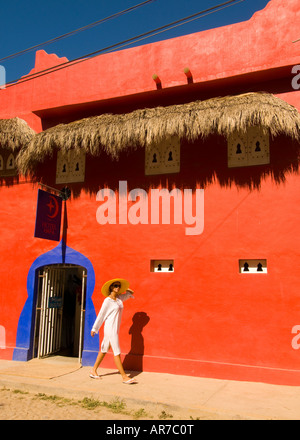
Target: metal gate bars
x=49, y=309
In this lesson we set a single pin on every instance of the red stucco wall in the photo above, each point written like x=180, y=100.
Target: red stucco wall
x=205, y=318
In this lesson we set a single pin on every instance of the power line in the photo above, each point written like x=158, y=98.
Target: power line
x=124, y=43
x=89, y=26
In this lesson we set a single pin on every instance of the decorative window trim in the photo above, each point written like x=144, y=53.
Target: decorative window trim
x=162, y=266
x=248, y=149
x=163, y=157
x=70, y=167
x=7, y=164
x=10, y=163
x=253, y=266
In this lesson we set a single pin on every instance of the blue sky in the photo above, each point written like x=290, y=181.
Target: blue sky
x=25, y=23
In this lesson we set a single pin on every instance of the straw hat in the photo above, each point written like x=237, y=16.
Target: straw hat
x=105, y=288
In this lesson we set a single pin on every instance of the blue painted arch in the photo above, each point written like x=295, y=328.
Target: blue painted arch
x=61, y=254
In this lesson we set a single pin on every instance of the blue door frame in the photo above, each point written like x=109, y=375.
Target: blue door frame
x=61, y=254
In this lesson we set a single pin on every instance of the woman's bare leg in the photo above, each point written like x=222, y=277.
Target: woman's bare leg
x=97, y=363
x=119, y=365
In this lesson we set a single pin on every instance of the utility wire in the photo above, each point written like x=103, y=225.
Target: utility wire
x=89, y=26
x=125, y=42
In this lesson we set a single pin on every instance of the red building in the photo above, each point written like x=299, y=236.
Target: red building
x=182, y=161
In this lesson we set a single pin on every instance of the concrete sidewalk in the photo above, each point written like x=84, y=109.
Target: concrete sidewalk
x=185, y=395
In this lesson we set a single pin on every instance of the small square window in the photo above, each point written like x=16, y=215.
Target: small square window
x=163, y=157
x=248, y=149
x=7, y=164
x=253, y=266
x=162, y=266
x=70, y=167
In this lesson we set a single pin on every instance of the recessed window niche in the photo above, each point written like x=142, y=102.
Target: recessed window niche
x=248, y=149
x=162, y=266
x=7, y=164
x=163, y=157
x=254, y=266
x=70, y=167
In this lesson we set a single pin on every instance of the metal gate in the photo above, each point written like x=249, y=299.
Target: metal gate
x=82, y=312
x=49, y=309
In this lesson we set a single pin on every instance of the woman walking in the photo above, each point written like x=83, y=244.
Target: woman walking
x=111, y=314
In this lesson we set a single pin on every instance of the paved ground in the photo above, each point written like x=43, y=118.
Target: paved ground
x=156, y=396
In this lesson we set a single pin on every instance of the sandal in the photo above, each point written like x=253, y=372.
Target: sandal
x=93, y=376
x=129, y=381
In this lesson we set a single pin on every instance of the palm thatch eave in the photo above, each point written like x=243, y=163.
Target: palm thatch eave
x=115, y=133
x=15, y=133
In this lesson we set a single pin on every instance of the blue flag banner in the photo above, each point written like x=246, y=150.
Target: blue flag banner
x=48, y=216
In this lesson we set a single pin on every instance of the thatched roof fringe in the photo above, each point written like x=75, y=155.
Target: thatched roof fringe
x=15, y=133
x=140, y=128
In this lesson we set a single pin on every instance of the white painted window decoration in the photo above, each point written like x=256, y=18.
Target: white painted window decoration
x=163, y=157
x=162, y=266
x=253, y=266
x=248, y=149
x=70, y=167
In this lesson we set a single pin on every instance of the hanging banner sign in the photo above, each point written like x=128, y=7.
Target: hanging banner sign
x=48, y=216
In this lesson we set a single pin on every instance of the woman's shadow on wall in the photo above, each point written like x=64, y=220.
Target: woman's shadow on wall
x=134, y=359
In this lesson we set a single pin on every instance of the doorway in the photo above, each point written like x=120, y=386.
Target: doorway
x=60, y=308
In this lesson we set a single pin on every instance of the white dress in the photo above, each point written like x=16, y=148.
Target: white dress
x=111, y=314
